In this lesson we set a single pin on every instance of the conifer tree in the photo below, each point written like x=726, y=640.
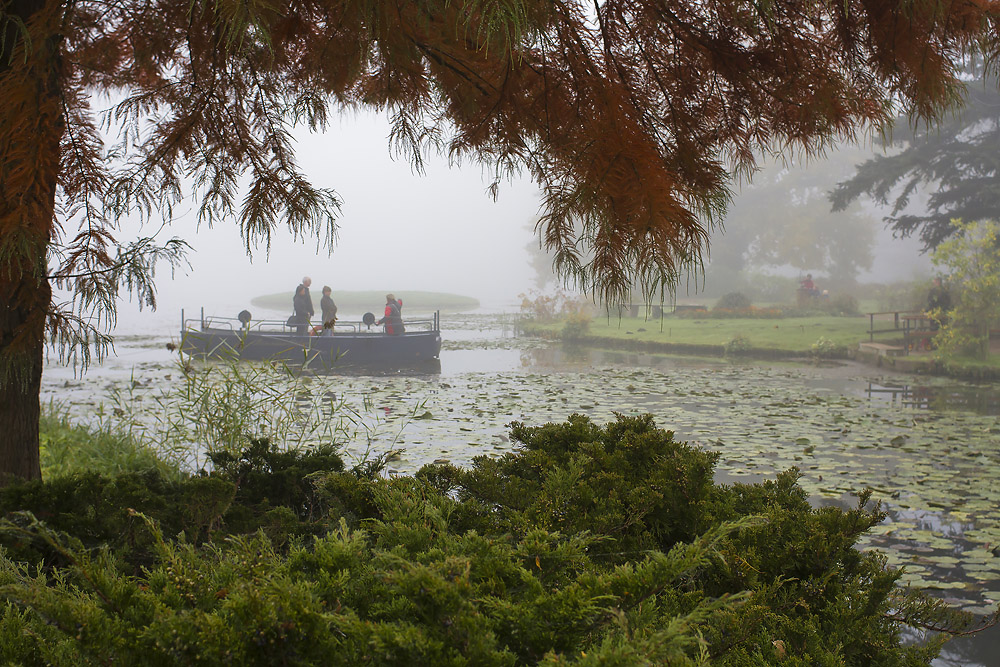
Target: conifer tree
x=954, y=163
x=632, y=116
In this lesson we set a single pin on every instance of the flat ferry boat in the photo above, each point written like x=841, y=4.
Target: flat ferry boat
x=348, y=344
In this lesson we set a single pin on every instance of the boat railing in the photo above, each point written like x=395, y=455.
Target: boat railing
x=206, y=322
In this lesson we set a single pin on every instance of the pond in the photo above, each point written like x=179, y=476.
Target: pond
x=928, y=447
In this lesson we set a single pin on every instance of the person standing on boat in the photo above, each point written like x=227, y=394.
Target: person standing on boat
x=306, y=282
x=329, y=310
x=393, y=319
x=302, y=305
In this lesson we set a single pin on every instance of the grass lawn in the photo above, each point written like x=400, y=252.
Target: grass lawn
x=792, y=333
x=969, y=363
x=372, y=300
x=67, y=448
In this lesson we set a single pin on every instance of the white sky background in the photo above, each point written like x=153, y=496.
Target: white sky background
x=399, y=231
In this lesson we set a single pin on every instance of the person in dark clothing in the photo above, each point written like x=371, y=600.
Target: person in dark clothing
x=302, y=305
x=938, y=304
x=306, y=282
x=329, y=310
x=393, y=319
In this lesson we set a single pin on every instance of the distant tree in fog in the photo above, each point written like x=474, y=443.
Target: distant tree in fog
x=783, y=218
x=631, y=116
x=955, y=163
x=540, y=262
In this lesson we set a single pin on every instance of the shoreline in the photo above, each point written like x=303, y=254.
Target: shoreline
x=906, y=364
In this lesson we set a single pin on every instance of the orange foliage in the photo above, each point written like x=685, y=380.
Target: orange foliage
x=633, y=119
x=633, y=116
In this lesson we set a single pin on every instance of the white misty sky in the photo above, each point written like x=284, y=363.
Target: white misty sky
x=399, y=231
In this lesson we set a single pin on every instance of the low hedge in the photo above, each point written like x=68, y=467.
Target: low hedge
x=588, y=545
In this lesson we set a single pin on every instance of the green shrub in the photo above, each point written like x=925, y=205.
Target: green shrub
x=824, y=348
x=732, y=301
x=629, y=483
x=589, y=544
x=576, y=326
x=842, y=304
x=98, y=511
x=262, y=489
x=737, y=345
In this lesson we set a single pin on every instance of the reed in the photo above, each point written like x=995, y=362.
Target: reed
x=221, y=407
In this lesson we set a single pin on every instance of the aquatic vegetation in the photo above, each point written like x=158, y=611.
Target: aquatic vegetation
x=219, y=407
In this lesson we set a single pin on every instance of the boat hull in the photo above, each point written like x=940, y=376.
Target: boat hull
x=317, y=352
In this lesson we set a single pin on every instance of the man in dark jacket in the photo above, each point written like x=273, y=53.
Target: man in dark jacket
x=302, y=305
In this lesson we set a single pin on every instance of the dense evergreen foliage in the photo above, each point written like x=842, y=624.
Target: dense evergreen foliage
x=954, y=164
x=588, y=545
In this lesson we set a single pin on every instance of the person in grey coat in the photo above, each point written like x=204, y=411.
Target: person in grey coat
x=329, y=310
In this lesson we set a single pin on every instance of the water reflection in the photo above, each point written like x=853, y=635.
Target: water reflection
x=979, y=650
x=983, y=400
x=427, y=367
x=578, y=357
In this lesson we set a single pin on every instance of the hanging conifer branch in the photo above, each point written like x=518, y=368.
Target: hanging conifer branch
x=632, y=116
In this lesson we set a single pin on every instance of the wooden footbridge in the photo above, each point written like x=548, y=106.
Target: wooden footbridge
x=912, y=331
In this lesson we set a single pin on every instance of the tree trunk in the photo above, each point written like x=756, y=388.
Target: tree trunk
x=19, y=388
x=31, y=126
